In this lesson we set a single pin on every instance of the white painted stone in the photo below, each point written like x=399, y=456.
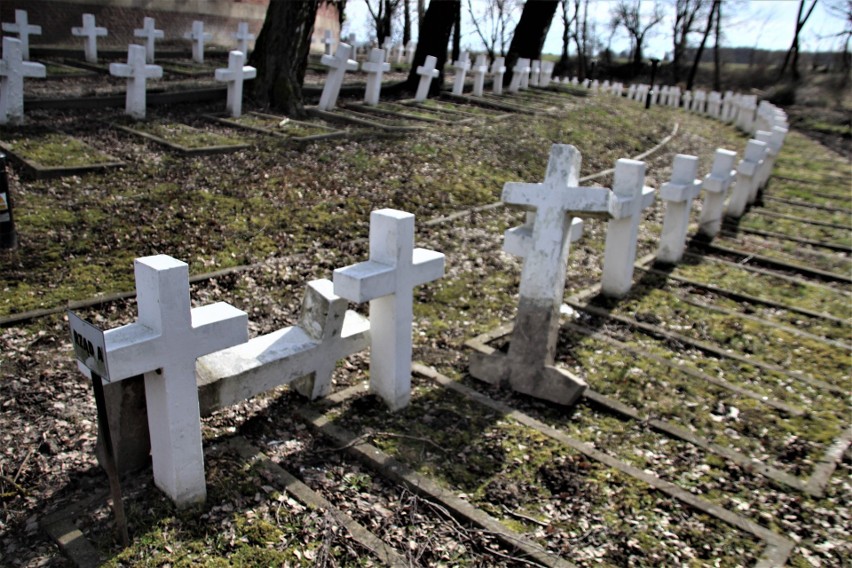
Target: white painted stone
x=745, y=113
x=427, y=72
x=575, y=81
x=764, y=170
x=198, y=36
x=13, y=70
x=328, y=42
x=150, y=34
x=535, y=73
x=746, y=172
x=687, y=100
x=678, y=194
x=546, y=74
x=631, y=197
x=387, y=281
x=714, y=104
x=338, y=65
x=674, y=97
x=24, y=29
x=699, y=103
x=479, y=70
x=410, y=51
x=235, y=74
x=353, y=41
x=631, y=92
x=716, y=185
x=137, y=73
x=163, y=344
x=727, y=104
x=519, y=72
x=375, y=66
x=498, y=70
x=91, y=33
x=387, y=46
x=243, y=37
x=399, y=50
x=526, y=69
x=462, y=66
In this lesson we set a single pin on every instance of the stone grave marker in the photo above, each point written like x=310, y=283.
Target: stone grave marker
x=746, y=172
x=410, y=51
x=678, y=194
x=687, y=100
x=714, y=102
x=462, y=66
x=535, y=73
x=137, y=73
x=197, y=36
x=664, y=96
x=338, y=65
x=387, y=281
x=605, y=87
x=498, y=70
x=745, y=113
x=243, y=37
x=234, y=75
x=727, y=104
x=328, y=42
x=699, y=102
x=631, y=92
x=353, y=41
x=594, y=86
x=765, y=169
x=387, y=46
x=91, y=33
x=399, y=50
x=479, y=70
x=13, y=70
x=575, y=81
x=525, y=73
x=715, y=186
x=150, y=34
x=520, y=68
x=427, y=72
x=546, y=73
x=24, y=29
x=375, y=66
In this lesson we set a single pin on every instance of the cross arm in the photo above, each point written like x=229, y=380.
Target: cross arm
x=428, y=265
x=218, y=326
x=670, y=191
x=621, y=207
x=36, y=70
x=130, y=351
x=364, y=281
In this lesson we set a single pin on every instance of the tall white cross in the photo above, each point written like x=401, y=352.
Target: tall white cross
x=479, y=70
x=91, y=32
x=339, y=64
x=387, y=46
x=462, y=66
x=163, y=344
x=764, y=171
x=715, y=186
x=520, y=73
x=197, y=36
x=24, y=30
x=150, y=34
x=13, y=69
x=243, y=37
x=498, y=69
x=678, y=194
x=525, y=73
x=747, y=170
x=387, y=281
x=375, y=66
x=632, y=197
x=714, y=101
x=535, y=73
x=546, y=73
x=137, y=73
x=234, y=75
x=328, y=42
x=427, y=72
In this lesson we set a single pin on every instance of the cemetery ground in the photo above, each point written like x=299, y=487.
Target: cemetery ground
x=720, y=386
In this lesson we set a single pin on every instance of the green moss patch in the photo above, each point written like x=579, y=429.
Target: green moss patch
x=183, y=137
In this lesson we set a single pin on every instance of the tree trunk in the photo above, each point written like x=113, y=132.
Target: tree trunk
x=421, y=15
x=457, y=33
x=281, y=55
x=530, y=33
x=713, y=10
x=406, y=22
x=794, y=47
x=717, y=62
x=434, y=37
x=387, y=19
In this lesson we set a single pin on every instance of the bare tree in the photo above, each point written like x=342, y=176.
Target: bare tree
x=530, y=33
x=382, y=13
x=421, y=13
x=406, y=22
x=714, y=11
x=842, y=9
x=717, y=59
x=794, y=47
x=581, y=37
x=434, y=36
x=687, y=15
x=567, y=23
x=628, y=15
x=492, y=23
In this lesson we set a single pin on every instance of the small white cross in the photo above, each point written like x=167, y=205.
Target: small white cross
x=535, y=70
x=328, y=42
x=462, y=66
x=387, y=46
x=715, y=186
x=678, y=194
x=150, y=34
x=13, y=69
x=387, y=281
x=374, y=67
x=479, y=70
x=234, y=75
x=197, y=37
x=498, y=69
x=520, y=75
x=747, y=171
x=24, y=30
x=243, y=37
x=427, y=72
x=339, y=64
x=137, y=73
x=91, y=32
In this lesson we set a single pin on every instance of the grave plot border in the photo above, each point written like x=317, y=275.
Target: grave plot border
x=228, y=121
x=84, y=72
x=532, y=103
x=816, y=193
x=537, y=98
x=462, y=109
x=382, y=110
x=34, y=170
x=451, y=114
x=97, y=68
x=808, y=205
x=770, y=213
x=186, y=70
x=489, y=103
x=184, y=150
x=734, y=233
x=351, y=117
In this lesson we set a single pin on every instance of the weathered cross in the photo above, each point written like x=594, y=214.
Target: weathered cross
x=328, y=42
x=236, y=73
x=498, y=69
x=427, y=72
x=243, y=37
x=387, y=46
x=197, y=36
x=714, y=101
x=546, y=73
x=519, y=72
x=687, y=100
x=678, y=194
x=715, y=186
x=479, y=70
x=631, y=198
x=765, y=168
x=699, y=103
x=339, y=64
x=387, y=281
x=535, y=73
x=163, y=344
x=24, y=30
x=747, y=169
x=375, y=66
x=13, y=69
x=91, y=32
x=525, y=73
x=150, y=34
x=137, y=73
x=462, y=66
x=727, y=106
x=544, y=242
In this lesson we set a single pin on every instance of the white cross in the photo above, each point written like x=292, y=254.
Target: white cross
x=746, y=172
x=243, y=37
x=197, y=37
x=546, y=74
x=674, y=97
x=387, y=46
x=163, y=344
x=339, y=64
x=462, y=66
x=91, y=32
x=715, y=186
x=400, y=53
x=525, y=73
x=766, y=164
x=631, y=197
x=328, y=42
x=498, y=69
x=13, y=69
x=427, y=72
x=353, y=40
x=713, y=103
x=479, y=70
x=687, y=100
x=150, y=34
x=24, y=30
x=678, y=195
x=387, y=281
x=517, y=72
x=137, y=73
x=234, y=75
x=727, y=103
x=411, y=49
x=374, y=67
x=535, y=77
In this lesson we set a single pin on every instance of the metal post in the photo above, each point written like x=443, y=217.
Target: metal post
x=654, y=62
x=8, y=236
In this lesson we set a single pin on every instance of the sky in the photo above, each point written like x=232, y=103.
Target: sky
x=765, y=24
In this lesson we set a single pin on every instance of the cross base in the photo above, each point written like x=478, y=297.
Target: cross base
x=547, y=382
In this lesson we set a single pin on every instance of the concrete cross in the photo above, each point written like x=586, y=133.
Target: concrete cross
x=479, y=70
x=387, y=46
x=387, y=281
x=687, y=100
x=544, y=243
x=375, y=66
x=631, y=92
x=328, y=42
x=519, y=72
x=674, y=97
x=339, y=64
x=353, y=41
x=525, y=73
x=235, y=74
x=243, y=37
x=399, y=50
x=678, y=194
x=727, y=104
x=137, y=73
x=631, y=198
x=765, y=169
x=197, y=36
x=745, y=113
x=498, y=69
x=714, y=101
x=546, y=73
x=747, y=170
x=699, y=102
x=163, y=344
x=462, y=66
x=13, y=70
x=427, y=72
x=150, y=34
x=594, y=86
x=715, y=186
x=410, y=50
x=91, y=32
x=535, y=73
x=24, y=29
